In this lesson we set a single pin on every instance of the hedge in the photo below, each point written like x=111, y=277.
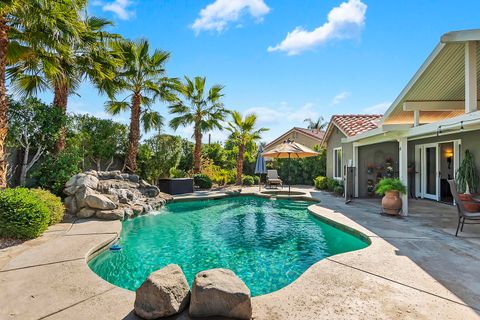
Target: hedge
x=53, y=203
x=248, y=181
x=202, y=181
x=22, y=214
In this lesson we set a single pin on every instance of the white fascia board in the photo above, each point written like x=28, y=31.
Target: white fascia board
x=461, y=36
x=434, y=105
x=469, y=119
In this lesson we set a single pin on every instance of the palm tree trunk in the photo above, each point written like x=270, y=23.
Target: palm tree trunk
x=134, y=135
x=60, y=100
x=241, y=151
x=3, y=102
x=197, y=164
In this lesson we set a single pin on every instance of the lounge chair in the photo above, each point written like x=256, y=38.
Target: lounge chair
x=273, y=179
x=463, y=213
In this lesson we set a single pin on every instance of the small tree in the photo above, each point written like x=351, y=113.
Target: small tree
x=158, y=155
x=34, y=127
x=201, y=108
x=100, y=139
x=243, y=130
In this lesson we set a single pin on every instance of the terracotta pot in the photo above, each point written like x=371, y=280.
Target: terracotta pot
x=392, y=203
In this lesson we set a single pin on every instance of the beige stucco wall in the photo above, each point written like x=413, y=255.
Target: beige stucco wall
x=298, y=137
x=335, y=141
x=469, y=140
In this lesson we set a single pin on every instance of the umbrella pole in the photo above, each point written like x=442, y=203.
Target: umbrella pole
x=289, y=174
x=259, y=182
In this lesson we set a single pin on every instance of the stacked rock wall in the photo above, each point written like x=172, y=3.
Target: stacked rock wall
x=111, y=195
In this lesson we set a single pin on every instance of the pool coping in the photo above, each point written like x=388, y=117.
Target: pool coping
x=287, y=303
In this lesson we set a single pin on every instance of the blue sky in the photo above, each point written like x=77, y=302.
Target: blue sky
x=288, y=60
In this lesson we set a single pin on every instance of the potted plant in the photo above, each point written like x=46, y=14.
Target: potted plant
x=390, y=189
x=467, y=176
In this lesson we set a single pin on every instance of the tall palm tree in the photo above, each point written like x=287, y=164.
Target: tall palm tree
x=142, y=77
x=201, y=108
x=316, y=125
x=243, y=130
x=62, y=64
x=18, y=17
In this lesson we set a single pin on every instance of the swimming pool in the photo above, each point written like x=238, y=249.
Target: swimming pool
x=267, y=243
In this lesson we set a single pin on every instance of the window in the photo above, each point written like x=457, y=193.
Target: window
x=337, y=163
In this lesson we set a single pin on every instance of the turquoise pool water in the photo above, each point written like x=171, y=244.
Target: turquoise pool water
x=267, y=243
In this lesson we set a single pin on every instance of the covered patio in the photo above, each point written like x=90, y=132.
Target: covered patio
x=432, y=122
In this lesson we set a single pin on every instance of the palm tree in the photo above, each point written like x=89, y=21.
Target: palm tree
x=316, y=125
x=199, y=108
x=61, y=65
x=142, y=77
x=17, y=17
x=243, y=130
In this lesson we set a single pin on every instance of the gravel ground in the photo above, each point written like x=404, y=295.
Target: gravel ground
x=9, y=242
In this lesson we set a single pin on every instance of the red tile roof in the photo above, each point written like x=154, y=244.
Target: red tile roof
x=353, y=124
x=314, y=133
x=311, y=133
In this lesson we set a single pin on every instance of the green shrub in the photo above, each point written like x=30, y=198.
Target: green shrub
x=202, y=181
x=53, y=203
x=248, y=181
x=331, y=184
x=256, y=179
x=177, y=173
x=390, y=184
x=321, y=182
x=55, y=171
x=22, y=214
x=338, y=190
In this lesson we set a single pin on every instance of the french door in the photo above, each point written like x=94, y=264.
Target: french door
x=428, y=168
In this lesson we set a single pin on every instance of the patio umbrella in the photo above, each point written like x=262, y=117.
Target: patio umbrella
x=290, y=149
x=260, y=165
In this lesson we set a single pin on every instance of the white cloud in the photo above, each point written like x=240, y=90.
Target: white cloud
x=217, y=15
x=378, y=108
x=344, y=22
x=284, y=114
x=340, y=97
x=119, y=7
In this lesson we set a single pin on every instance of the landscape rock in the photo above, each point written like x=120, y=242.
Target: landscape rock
x=101, y=193
x=71, y=181
x=87, y=181
x=219, y=292
x=164, y=293
x=128, y=213
x=116, y=214
x=98, y=201
x=85, y=213
x=134, y=178
x=70, y=190
x=71, y=205
x=81, y=194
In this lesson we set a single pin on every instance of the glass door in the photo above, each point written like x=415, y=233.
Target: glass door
x=430, y=166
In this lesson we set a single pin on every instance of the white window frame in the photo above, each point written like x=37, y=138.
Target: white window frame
x=335, y=150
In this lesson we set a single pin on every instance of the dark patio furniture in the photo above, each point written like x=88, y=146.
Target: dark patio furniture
x=463, y=214
x=273, y=179
x=176, y=185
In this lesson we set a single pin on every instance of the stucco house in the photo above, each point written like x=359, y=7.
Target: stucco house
x=308, y=137
x=423, y=135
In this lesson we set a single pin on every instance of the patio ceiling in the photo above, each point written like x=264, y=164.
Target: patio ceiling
x=438, y=82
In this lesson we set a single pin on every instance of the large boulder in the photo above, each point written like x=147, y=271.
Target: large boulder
x=85, y=213
x=87, y=180
x=116, y=214
x=71, y=205
x=219, y=292
x=99, y=201
x=81, y=195
x=164, y=293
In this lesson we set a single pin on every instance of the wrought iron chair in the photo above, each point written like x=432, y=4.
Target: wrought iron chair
x=463, y=214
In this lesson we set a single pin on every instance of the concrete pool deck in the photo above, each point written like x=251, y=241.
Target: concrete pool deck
x=414, y=269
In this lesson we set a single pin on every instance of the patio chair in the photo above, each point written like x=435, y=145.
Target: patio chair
x=463, y=213
x=273, y=179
